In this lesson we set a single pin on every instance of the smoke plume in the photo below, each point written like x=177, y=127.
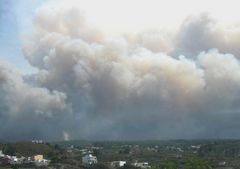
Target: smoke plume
x=150, y=85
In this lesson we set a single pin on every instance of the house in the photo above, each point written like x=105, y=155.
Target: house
x=28, y=160
x=38, y=157
x=115, y=164
x=1, y=154
x=195, y=146
x=37, y=141
x=14, y=160
x=141, y=164
x=222, y=163
x=43, y=162
x=86, y=151
x=89, y=159
x=40, y=161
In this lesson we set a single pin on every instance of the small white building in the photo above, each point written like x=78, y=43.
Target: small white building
x=1, y=154
x=222, y=163
x=89, y=159
x=14, y=160
x=40, y=163
x=141, y=164
x=37, y=141
x=117, y=163
x=28, y=160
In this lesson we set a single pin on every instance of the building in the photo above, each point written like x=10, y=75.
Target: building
x=141, y=164
x=115, y=164
x=1, y=154
x=222, y=163
x=38, y=157
x=37, y=141
x=28, y=160
x=14, y=160
x=42, y=162
x=89, y=159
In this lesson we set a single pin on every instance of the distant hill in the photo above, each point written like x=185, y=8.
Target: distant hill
x=29, y=148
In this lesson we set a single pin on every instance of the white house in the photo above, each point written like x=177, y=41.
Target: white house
x=89, y=159
x=222, y=163
x=14, y=160
x=40, y=163
x=37, y=141
x=141, y=164
x=1, y=154
x=28, y=160
x=117, y=163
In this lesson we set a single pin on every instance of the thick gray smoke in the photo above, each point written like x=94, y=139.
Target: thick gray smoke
x=146, y=86
x=203, y=33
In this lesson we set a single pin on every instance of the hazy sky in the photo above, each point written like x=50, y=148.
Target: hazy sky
x=119, y=69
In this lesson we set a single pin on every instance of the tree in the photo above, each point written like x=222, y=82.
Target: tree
x=99, y=166
x=197, y=164
x=96, y=152
x=165, y=165
x=128, y=166
x=14, y=167
x=9, y=150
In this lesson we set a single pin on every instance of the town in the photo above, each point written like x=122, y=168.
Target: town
x=178, y=154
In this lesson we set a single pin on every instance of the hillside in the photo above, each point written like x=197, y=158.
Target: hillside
x=29, y=149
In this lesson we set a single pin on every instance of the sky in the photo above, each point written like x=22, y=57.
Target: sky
x=15, y=21
x=119, y=69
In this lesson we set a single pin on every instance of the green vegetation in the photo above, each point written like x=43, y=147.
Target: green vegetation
x=177, y=154
x=165, y=165
x=27, y=148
